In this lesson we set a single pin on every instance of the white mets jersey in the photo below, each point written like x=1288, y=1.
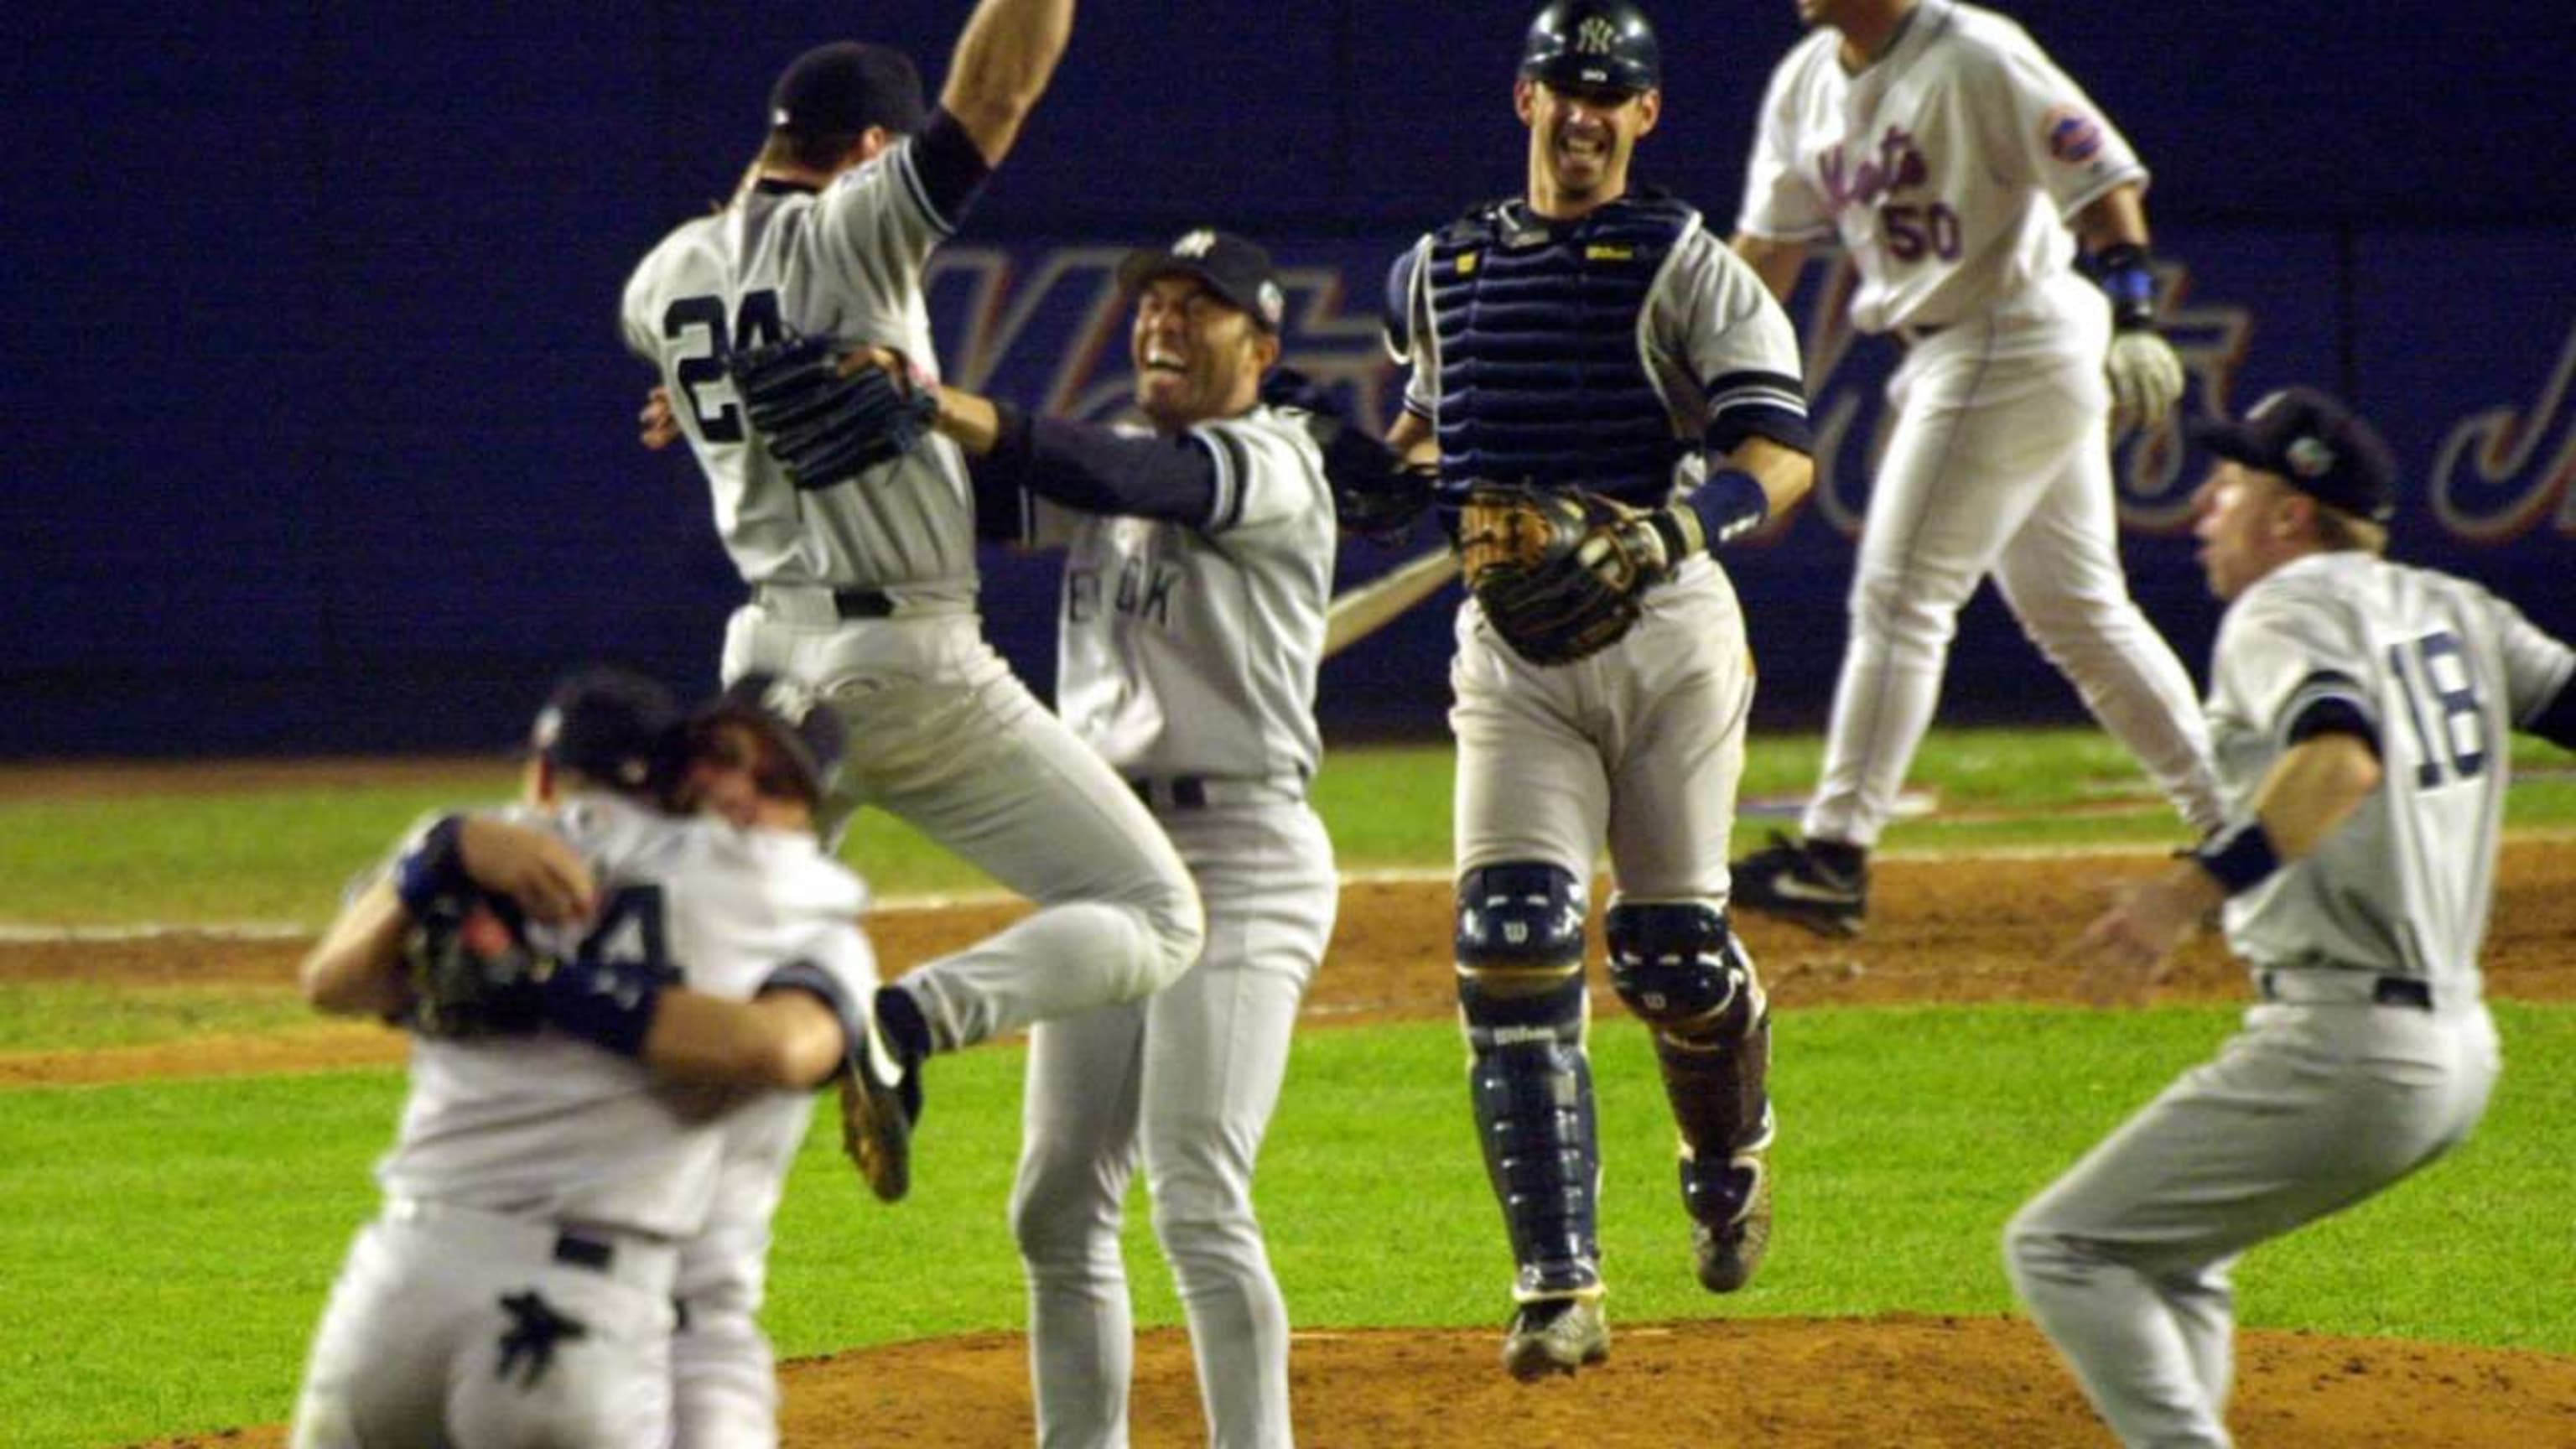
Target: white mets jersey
x=847, y=262
x=1946, y=167
x=2442, y=672
x=1192, y=649
x=557, y=1128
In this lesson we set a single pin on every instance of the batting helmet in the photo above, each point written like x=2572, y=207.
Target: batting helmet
x=1600, y=45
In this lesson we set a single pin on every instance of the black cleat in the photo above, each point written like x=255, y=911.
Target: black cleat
x=1555, y=1336
x=1727, y=1254
x=1794, y=882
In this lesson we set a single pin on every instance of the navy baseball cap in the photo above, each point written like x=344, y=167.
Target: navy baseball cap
x=809, y=732
x=608, y=723
x=2316, y=445
x=843, y=88
x=1226, y=264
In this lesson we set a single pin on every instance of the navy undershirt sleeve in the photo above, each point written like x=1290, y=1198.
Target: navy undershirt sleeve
x=2557, y=722
x=1088, y=467
x=951, y=169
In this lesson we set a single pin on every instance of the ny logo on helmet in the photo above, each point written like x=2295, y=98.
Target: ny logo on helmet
x=1197, y=244
x=1595, y=36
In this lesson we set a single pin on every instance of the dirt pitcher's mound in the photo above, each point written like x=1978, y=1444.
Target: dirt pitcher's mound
x=1924, y=1383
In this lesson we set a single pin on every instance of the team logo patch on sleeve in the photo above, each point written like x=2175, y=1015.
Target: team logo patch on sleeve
x=2073, y=136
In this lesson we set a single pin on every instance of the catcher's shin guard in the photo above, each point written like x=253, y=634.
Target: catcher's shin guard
x=1520, y=997
x=1680, y=968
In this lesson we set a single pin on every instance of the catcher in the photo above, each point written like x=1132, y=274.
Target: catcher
x=1609, y=394
x=519, y=1284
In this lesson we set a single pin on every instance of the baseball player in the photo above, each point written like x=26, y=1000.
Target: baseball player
x=518, y=1286
x=2361, y=711
x=864, y=587
x=1950, y=156
x=1592, y=340
x=1199, y=560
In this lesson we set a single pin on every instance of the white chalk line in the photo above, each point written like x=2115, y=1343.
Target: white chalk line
x=37, y=933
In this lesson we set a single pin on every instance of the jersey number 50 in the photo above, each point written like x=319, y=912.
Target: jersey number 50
x=702, y=319
x=1913, y=231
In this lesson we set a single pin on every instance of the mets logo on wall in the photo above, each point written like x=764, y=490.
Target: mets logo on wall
x=2073, y=136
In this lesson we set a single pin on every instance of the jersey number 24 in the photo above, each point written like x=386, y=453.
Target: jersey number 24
x=702, y=321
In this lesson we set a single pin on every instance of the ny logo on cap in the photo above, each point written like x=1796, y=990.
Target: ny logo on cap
x=1595, y=36
x=1197, y=244
x=2310, y=457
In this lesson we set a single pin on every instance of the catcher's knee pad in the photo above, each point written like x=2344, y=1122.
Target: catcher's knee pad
x=1681, y=970
x=1520, y=926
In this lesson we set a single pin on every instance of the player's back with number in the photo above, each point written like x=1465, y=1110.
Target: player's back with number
x=2446, y=672
x=847, y=261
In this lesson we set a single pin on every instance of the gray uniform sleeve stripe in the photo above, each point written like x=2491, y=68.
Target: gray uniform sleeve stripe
x=2323, y=687
x=1233, y=471
x=906, y=168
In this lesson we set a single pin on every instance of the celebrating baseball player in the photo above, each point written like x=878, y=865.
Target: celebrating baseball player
x=1610, y=394
x=861, y=562
x=2361, y=711
x=1943, y=149
x=518, y=1286
x=1199, y=563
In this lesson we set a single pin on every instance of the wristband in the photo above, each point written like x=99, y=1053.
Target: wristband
x=434, y=866
x=611, y=1003
x=2238, y=857
x=1730, y=503
x=2122, y=272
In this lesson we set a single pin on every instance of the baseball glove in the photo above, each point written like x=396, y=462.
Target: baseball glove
x=1550, y=569
x=825, y=427
x=1376, y=494
x=472, y=972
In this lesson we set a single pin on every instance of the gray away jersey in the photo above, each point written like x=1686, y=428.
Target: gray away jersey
x=2443, y=671
x=847, y=262
x=1192, y=650
x=554, y=1127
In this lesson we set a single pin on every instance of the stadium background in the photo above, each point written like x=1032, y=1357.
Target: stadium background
x=321, y=426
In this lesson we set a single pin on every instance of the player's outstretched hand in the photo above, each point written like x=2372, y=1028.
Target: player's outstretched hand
x=2146, y=377
x=2123, y=953
x=532, y=867
x=656, y=426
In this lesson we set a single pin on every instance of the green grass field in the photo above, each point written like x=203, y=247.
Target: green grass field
x=167, y=1245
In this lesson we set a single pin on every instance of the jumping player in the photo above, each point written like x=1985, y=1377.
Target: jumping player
x=1589, y=335
x=866, y=589
x=2362, y=712
x=1950, y=157
x=517, y=1286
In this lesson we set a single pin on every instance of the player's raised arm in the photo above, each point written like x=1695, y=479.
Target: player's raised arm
x=1004, y=59
x=1776, y=262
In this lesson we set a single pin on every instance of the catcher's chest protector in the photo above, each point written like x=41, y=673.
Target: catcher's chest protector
x=1542, y=370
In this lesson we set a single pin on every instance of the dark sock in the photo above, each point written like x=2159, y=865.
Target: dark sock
x=1847, y=861
x=905, y=1029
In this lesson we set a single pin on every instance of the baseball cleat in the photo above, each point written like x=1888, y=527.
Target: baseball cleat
x=876, y=1120
x=1555, y=1336
x=1726, y=1256
x=1792, y=881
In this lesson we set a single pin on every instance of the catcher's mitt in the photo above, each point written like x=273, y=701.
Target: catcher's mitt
x=472, y=972
x=825, y=427
x=1553, y=599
